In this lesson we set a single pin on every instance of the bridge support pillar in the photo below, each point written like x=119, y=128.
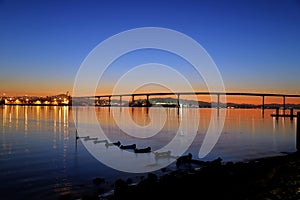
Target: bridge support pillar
x=120, y=101
x=132, y=99
x=283, y=103
x=263, y=106
x=147, y=101
x=277, y=113
x=218, y=105
x=109, y=101
x=298, y=133
x=178, y=98
x=218, y=101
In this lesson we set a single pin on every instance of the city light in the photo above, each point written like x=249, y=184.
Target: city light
x=61, y=99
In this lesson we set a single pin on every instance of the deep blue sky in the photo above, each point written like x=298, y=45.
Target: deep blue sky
x=255, y=44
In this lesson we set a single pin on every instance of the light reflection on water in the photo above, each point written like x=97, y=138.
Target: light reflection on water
x=40, y=157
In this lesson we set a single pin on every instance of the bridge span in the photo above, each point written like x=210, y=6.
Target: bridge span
x=178, y=94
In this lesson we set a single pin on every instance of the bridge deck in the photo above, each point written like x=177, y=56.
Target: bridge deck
x=196, y=93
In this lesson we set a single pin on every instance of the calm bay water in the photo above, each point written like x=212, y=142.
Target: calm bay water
x=41, y=158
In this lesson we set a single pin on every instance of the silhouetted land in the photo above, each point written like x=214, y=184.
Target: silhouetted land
x=266, y=178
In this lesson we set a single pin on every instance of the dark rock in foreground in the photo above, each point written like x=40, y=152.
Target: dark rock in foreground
x=268, y=178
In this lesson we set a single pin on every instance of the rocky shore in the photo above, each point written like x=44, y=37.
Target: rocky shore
x=268, y=178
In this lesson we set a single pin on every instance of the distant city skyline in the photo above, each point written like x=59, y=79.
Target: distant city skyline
x=255, y=44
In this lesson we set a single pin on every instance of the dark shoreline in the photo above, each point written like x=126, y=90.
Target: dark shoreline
x=275, y=177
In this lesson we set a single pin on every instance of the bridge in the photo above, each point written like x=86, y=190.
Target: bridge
x=178, y=94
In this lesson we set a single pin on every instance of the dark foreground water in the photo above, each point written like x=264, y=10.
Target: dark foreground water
x=40, y=157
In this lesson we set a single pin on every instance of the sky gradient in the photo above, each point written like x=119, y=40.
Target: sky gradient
x=255, y=44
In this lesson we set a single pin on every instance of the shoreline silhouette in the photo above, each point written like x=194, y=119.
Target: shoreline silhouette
x=275, y=177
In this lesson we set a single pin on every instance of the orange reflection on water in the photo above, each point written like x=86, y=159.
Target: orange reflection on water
x=243, y=129
x=33, y=118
